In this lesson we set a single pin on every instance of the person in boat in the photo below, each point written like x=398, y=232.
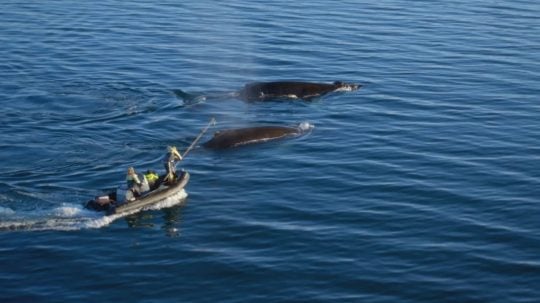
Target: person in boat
x=133, y=182
x=152, y=178
x=169, y=161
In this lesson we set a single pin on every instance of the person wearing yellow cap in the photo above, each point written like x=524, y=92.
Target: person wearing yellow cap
x=169, y=161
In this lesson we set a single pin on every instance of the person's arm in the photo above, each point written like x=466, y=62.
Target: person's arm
x=136, y=179
x=178, y=155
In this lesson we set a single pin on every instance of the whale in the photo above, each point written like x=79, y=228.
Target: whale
x=286, y=90
x=273, y=91
x=236, y=137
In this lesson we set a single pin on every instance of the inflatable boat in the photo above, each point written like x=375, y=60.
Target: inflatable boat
x=120, y=200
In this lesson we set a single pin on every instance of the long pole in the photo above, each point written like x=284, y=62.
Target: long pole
x=212, y=122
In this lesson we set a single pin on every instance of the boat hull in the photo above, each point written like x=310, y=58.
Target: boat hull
x=149, y=199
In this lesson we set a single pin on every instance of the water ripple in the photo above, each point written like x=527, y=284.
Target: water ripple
x=422, y=186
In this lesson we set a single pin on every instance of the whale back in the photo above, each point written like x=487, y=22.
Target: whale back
x=260, y=91
x=243, y=136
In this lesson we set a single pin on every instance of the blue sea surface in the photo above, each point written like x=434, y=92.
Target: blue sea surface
x=422, y=186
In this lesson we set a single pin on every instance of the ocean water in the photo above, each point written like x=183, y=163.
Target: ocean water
x=423, y=186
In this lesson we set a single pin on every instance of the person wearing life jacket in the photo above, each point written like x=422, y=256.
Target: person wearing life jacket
x=151, y=177
x=133, y=182
x=169, y=161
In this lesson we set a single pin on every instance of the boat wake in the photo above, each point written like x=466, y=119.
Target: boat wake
x=69, y=217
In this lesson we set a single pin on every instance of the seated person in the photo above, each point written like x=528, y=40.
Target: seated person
x=152, y=178
x=133, y=182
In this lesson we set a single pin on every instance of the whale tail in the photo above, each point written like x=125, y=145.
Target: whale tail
x=200, y=97
x=187, y=97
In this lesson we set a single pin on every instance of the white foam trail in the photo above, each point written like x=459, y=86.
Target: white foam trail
x=306, y=126
x=71, y=216
x=344, y=89
x=67, y=211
